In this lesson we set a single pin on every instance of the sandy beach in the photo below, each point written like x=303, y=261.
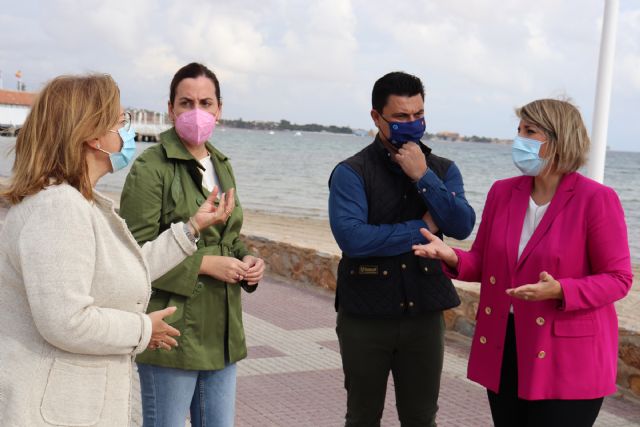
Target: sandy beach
x=304, y=232
x=298, y=231
x=316, y=233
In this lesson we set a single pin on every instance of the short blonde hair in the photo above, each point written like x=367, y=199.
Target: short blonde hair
x=50, y=147
x=567, y=138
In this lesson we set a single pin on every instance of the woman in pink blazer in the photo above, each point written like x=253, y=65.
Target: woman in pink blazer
x=552, y=257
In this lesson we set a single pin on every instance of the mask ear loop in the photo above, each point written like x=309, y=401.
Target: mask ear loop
x=97, y=147
x=386, y=139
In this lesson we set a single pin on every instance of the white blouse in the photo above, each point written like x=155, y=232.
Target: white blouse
x=209, y=176
x=531, y=220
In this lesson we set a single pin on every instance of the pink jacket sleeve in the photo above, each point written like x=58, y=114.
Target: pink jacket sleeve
x=470, y=262
x=608, y=256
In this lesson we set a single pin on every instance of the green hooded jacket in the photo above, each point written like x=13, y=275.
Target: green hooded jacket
x=165, y=186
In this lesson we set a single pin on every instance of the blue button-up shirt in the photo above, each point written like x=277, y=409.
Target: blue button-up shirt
x=348, y=213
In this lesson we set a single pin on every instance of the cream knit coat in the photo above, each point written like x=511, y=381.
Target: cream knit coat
x=74, y=286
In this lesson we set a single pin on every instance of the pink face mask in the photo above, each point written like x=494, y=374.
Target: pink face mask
x=195, y=126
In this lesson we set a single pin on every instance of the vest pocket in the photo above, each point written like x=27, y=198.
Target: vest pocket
x=74, y=394
x=369, y=286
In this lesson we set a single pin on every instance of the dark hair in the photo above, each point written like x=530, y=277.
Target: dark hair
x=396, y=83
x=192, y=71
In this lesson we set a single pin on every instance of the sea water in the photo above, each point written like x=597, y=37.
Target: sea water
x=287, y=174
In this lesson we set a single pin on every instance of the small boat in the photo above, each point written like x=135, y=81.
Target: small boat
x=298, y=133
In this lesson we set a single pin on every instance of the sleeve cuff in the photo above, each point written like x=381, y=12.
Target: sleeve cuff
x=184, y=242
x=416, y=237
x=247, y=287
x=568, y=295
x=429, y=179
x=452, y=273
x=145, y=335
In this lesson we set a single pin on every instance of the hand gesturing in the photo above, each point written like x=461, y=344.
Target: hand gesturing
x=209, y=214
x=436, y=249
x=546, y=288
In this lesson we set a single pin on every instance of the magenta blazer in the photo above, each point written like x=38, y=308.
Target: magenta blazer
x=566, y=349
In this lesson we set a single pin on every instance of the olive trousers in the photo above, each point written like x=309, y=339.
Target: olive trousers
x=410, y=347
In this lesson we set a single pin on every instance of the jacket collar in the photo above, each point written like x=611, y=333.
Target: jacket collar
x=175, y=149
x=518, y=209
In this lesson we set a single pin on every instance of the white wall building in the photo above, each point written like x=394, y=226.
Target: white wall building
x=14, y=107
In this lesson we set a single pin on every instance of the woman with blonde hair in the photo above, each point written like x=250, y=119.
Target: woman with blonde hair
x=74, y=284
x=552, y=257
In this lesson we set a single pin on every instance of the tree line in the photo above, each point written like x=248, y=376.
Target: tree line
x=284, y=125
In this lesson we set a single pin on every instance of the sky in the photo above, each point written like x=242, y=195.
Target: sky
x=312, y=61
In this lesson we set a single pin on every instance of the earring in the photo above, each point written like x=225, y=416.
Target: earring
x=98, y=145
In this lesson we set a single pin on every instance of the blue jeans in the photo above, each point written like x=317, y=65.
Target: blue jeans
x=168, y=394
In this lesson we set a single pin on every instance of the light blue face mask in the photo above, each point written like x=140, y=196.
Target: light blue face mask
x=525, y=153
x=120, y=159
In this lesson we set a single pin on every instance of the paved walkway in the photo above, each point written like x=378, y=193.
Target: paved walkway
x=293, y=375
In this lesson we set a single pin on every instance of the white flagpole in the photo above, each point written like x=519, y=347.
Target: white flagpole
x=595, y=165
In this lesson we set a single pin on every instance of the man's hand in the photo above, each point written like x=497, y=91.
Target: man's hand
x=412, y=161
x=546, y=288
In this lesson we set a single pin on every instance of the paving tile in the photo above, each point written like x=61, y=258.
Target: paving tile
x=305, y=387
x=293, y=375
x=262, y=351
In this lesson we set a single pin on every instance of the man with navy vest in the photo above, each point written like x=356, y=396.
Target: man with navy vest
x=389, y=301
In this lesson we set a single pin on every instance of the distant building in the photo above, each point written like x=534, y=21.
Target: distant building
x=148, y=124
x=14, y=108
x=448, y=136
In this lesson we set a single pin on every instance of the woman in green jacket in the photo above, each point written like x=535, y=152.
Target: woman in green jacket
x=167, y=183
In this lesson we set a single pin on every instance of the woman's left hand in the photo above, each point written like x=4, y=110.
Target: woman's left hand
x=256, y=269
x=546, y=288
x=209, y=214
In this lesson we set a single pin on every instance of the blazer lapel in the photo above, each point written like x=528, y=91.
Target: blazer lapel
x=517, y=210
x=564, y=193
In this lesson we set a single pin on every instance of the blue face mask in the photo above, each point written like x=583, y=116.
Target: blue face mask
x=525, y=154
x=120, y=159
x=403, y=132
